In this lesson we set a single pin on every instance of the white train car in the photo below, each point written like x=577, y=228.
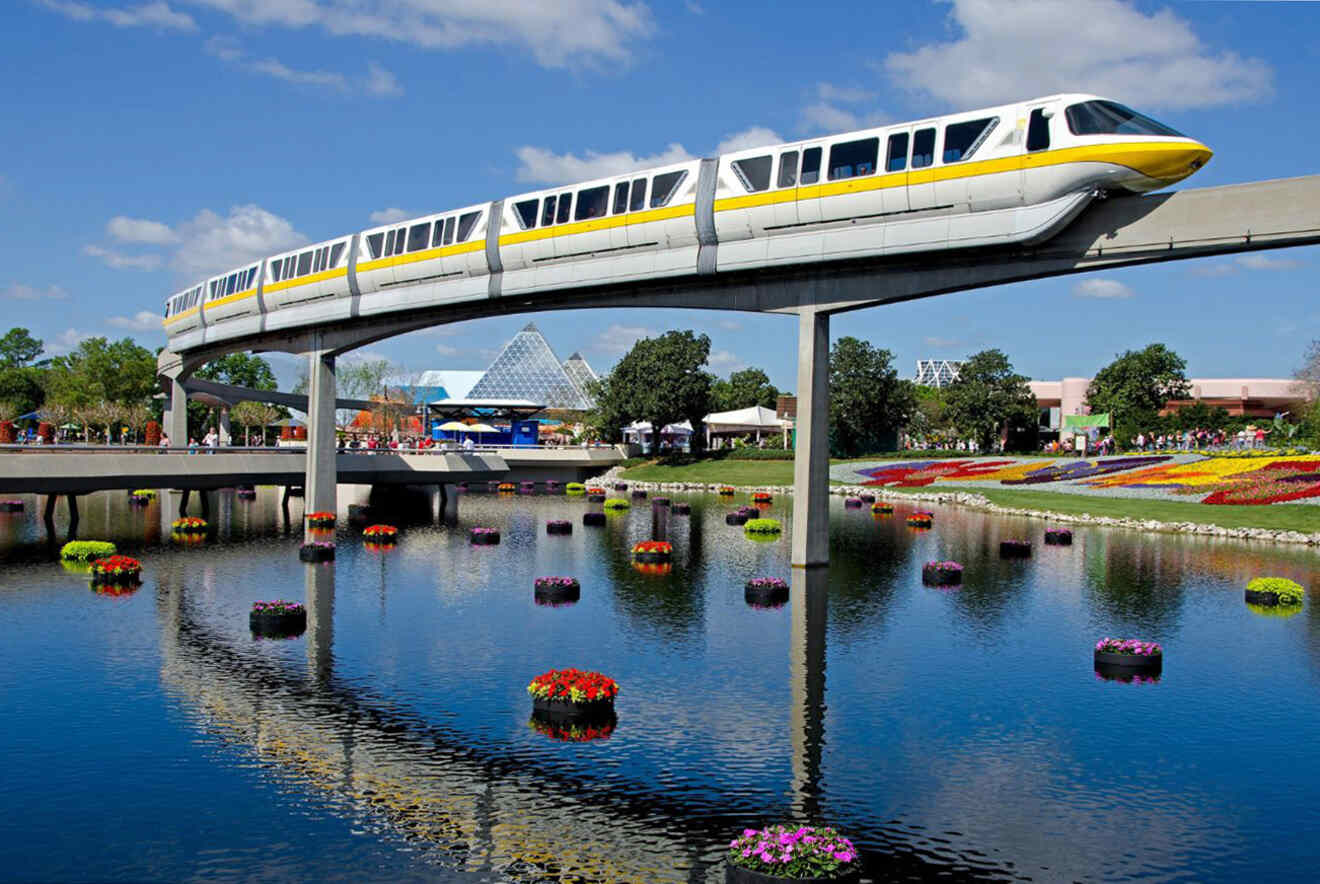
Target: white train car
x=183, y=316
x=232, y=295
x=435, y=259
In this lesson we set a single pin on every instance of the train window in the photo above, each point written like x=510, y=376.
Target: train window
x=275, y=267
x=621, y=197
x=449, y=230
x=304, y=263
x=389, y=243
x=375, y=241
x=399, y=240
x=419, y=235
x=289, y=263
x=214, y=283
x=437, y=238
x=592, y=203
x=565, y=207
x=638, y=201
x=810, y=165
x=526, y=212
x=962, y=139
x=664, y=187
x=1038, y=131
x=337, y=252
x=1112, y=118
x=465, y=225
x=923, y=148
x=230, y=283
x=548, y=213
x=788, y=168
x=896, y=153
x=251, y=277
x=754, y=173
x=318, y=260
x=853, y=158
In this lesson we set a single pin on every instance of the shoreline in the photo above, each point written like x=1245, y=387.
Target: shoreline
x=978, y=502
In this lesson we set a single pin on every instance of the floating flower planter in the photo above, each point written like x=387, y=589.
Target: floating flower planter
x=116, y=570
x=852, y=503
x=681, y=509
x=762, y=497
x=653, y=569
x=652, y=551
x=317, y=551
x=765, y=592
x=574, y=489
x=558, y=526
x=277, y=619
x=1274, y=592
x=381, y=535
x=660, y=501
x=596, y=498
x=617, y=503
x=571, y=732
x=1015, y=549
x=741, y=515
x=506, y=488
x=763, y=526
x=726, y=491
x=86, y=550
x=320, y=520
x=1129, y=653
x=557, y=589
x=484, y=536
x=147, y=493
x=639, y=494
x=593, y=519
x=247, y=494
x=941, y=573
x=1058, y=537
x=786, y=853
x=526, y=489
x=919, y=520
x=882, y=509
x=594, y=489
x=867, y=498
x=188, y=525
x=573, y=695
x=620, y=486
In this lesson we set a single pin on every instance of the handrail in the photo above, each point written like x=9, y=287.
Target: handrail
x=60, y=448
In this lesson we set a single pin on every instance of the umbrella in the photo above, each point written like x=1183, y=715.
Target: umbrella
x=288, y=422
x=481, y=428
x=453, y=427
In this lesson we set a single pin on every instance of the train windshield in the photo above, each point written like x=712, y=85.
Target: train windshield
x=1112, y=118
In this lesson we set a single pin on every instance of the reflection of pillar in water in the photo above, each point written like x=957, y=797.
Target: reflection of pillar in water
x=449, y=505
x=320, y=586
x=169, y=508
x=659, y=523
x=224, y=514
x=808, y=601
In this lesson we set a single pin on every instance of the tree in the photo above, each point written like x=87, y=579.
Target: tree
x=869, y=404
x=18, y=348
x=119, y=371
x=1135, y=386
x=743, y=389
x=240, y=370
x=930, y=422
x=254, y=414
x=989, y=400
x=660, y=380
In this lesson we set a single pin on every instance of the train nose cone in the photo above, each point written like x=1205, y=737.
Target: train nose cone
x=1178, y=163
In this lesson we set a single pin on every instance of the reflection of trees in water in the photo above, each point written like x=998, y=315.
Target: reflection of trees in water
x=868, y=556
x=1136, y=580
x=670, y=605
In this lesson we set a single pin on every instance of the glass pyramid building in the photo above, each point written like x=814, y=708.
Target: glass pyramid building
x=580, y=374
x=528, y=369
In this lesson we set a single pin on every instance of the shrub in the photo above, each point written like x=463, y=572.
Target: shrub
x=616, y=503
x=794, y=852
x=86, y=550
x=1288, y=591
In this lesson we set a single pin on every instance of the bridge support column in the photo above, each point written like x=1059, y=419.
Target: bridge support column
x=811, y=459
x=319, y=488
x=176, y=413
x=225, y=437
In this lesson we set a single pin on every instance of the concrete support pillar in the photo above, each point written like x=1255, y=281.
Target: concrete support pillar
x=811, y=459
x=319, y=488
x=808, y=601
x=175, y=418
x=319, y=592
x=225, y=438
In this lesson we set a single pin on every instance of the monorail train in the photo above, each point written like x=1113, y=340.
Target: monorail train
x=1014, y=174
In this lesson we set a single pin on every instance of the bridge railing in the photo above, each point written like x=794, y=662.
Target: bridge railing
x=62, y=448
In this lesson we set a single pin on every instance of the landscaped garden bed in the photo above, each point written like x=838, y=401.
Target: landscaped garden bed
x=788, y=853
x=117, y=570
x=1128, y=653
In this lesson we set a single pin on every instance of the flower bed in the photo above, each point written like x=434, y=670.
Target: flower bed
x=1058, y=537
x=852, y=503
x=765, y=592
x=571, y=732
x=882, y=508
x=941, y=573
x=558, y=526
x=763, y=526
x=320, y=520
x=575, y=489
x=1015, y=549
x=484, y=536
x=593, y=519
x=557, y=589
x=188, y=525
x=567, y=694
x=317, y=551
x=86, y=550
x=1128, y=652
x=118, y=570
x=652, y=551
x=1274, y=591
x=681, y=509
x=921, y=520
x=786, y=853
x=726, y=491
x=381, y=534
x=617, y=503
x=277, y=619
x=762, y=497
x=16, y=506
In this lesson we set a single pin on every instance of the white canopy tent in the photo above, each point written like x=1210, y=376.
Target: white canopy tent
x=640, y=432
x=758, y=419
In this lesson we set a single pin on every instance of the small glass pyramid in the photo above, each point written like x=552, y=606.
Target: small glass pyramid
x=528, y=369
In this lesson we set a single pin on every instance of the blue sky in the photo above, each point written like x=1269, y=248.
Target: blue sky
x=149, y=142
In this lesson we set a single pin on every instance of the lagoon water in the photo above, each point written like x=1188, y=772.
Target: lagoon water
x=959, y=733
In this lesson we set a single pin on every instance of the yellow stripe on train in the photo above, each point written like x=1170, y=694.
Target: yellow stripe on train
x=594, y=224
x=424, y=255
x=282, y=285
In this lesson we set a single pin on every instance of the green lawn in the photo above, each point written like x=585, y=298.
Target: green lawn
x=1279, y=517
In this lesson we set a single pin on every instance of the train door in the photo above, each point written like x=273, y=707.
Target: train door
x=1039, y=122
x=921, y=178
x=896, y=163
x=638, y=234
x=785, y=212
x=808, y=195
x=619, y=214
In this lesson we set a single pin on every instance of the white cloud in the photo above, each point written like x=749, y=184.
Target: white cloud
x=722, y=361
x=142, y=321
x=210, y=243
x=842, y=94
x=941, y=343
x=821, y=116
x=542, y=166
x=694, y=8
x=565, y=33
x=1013, y=51
x=121, y=261
x=66, y=342
x=20, y=292
x=156, y=15
x=389, y=216
x=139, y=230
x=1260, y=261
x=825, y=114
x=730, y=324
x=381, y=82
x=1102, y=288
x=755, y=136
x=377, y=82
x=619, y=339
x=446, y=350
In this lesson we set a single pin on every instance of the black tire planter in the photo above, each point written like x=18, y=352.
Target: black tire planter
x=765, y=596
x=737, y=875
x=940, y=576
x=132, y=501
x=595, y=498
x=277, y=625
x=311, y=553
x=559, y=526
x=681, y=509
x=736, y=519
x=653, y=558
x=1058, y=537
x=1129, y=662
x=1269, y=599
x=866, y=498
x=1126, y=674
x=127, y=578
x=1014, y=549
x=556, y=594
x=852, y=503
x=593, y=519
x=246, y=494
x=490, y=538
x=620, y=486
x=566, y=710
x=639, y=494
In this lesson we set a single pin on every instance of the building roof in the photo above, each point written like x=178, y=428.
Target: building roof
x=757, y=417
